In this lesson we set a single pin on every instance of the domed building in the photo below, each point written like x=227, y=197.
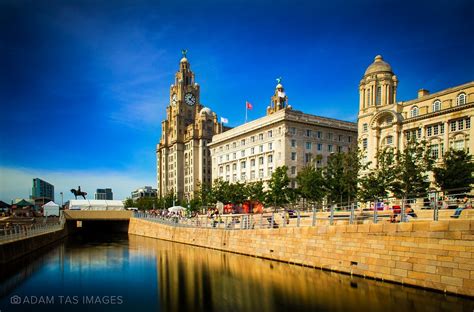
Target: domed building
x=443, y=118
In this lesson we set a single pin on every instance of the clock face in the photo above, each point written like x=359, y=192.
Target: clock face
x=190, y=99
x=174, y=99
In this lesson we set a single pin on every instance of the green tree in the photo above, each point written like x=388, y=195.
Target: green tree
x=455, y=172
x=278, y=185
x=236, y=193
x=255, y=191
x=412, y=166
x=220, y=191
x=128, y=203
x=311, y=184
x=334, y=176
x=377, y=182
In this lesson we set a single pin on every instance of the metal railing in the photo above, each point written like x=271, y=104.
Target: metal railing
x=387, y=210
x=22, y=231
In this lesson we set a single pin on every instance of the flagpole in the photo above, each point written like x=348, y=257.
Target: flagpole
x=246, y=109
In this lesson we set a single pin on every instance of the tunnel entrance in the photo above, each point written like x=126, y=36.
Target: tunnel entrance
x=97, y=226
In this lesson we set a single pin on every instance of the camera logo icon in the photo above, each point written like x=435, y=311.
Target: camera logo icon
x=15, y=299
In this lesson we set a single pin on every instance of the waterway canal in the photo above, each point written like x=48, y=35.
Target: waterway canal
x=133, y=273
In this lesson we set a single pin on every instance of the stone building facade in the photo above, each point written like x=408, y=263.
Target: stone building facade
x=183, y=157
x=252, y=151
x=443, y=118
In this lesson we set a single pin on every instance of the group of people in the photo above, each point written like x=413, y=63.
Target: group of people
x=410, y=214
x=465, y=203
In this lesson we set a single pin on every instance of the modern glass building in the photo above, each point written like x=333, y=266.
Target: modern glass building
x=104, y=194
x=42, y=191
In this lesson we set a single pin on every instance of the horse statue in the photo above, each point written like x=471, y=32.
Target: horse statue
x=78, y=192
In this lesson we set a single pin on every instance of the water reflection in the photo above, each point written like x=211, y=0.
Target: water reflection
x=192, y=278
x=154, y=275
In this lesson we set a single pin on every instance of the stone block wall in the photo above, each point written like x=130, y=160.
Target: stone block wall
x=436, y=255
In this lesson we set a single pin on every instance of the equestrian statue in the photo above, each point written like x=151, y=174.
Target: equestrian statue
x=78, y=192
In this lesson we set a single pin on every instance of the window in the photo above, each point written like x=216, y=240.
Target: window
x=293, y=130
x=234, y=145
x=429, y=131
x=227, y=168
x=434, y=151
x=293, y=170
x=339, y=138
x=308, y=145
x=364, y=143
x=461, y=99
x=293, y=143
x=414, y=111
x=242, y=176
x=435, y=130
x=458, y=145
x=419, y=132
x=252, y=163
x=349, y=139
x=243, y=164
x=378, y=96
x=319, y=134
x=339, y=149
x=320, y=147
x=242, y=153
x=260, y=160
x=252, y=138
x=329, y=136
x=270, y=133
x=252, y=174
x=227, y=157
x=308, y=133
x=460, y=124
x=270, y=146
x=261, y=148
x=389, y=140
x=293, y=156
x=453, y=125
x=227, y=147
x=260, y=173
x=242, y=142
x=270, y=171
x=270, y=159
x=441, y=128
x=260, y=136
x=234, y=166
x=329, y=148
x=221, y=169
x=234, y=156
x=252, y=151
x=436, y=105
x=468, y=123
x=307, y=157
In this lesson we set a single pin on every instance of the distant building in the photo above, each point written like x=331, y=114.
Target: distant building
x=42, y=192
x=104, y=194
x=144, y=192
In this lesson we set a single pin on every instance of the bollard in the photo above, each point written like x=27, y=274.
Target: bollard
x=273, y=220
x=436, y=212
x=351, y=220
x=298, y=220
x=313, y=222
x=331, y=217
x=375, y=211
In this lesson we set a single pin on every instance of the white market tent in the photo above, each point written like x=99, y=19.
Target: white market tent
x=176, y=209
x=50, y=204
x=95, y=204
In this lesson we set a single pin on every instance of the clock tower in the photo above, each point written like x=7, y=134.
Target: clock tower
x=183, y=159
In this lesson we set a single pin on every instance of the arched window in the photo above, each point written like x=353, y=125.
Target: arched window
x=461, y=99
x=436, y=105
x=378, y=98
x=414, y=111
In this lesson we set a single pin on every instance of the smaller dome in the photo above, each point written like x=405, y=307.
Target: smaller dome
x=279, y=86
x=184, y=60
x=205, y=110
x=379, y=65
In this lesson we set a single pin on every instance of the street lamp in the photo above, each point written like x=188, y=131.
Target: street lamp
x=61, y=193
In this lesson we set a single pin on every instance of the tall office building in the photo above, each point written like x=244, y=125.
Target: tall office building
x=42, y=192
x=182, y=156
x=104, y=194
x=284, y=137
x=442, y=118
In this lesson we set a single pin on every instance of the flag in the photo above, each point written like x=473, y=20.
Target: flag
x=281, y=94
x=248, y=105
x=224, y=120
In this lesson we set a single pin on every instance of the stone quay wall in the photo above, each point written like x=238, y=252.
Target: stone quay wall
x=435, y=255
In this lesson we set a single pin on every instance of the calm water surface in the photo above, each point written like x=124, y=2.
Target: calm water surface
x=132, y=273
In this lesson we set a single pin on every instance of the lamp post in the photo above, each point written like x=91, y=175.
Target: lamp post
x=61, y=193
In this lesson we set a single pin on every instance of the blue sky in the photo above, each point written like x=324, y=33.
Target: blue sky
x=84, y=84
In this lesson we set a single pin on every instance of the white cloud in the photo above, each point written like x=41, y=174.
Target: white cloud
x=17, y=182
